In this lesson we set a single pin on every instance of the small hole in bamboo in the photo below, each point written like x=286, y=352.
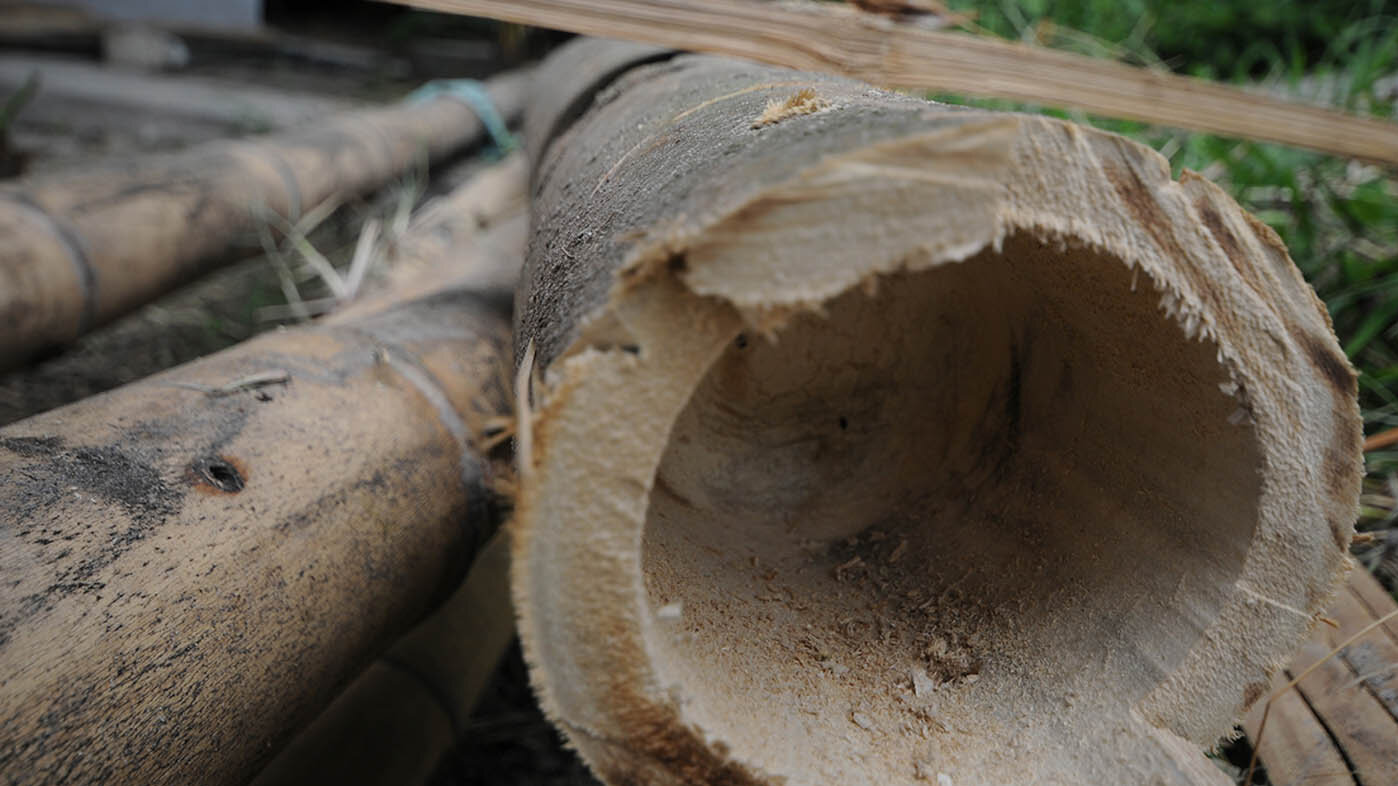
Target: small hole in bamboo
x=220, y=473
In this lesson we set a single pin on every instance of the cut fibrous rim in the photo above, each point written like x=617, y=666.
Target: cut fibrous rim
x=987, y=451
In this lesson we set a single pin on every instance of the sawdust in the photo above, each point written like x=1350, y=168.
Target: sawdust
x=936, y=623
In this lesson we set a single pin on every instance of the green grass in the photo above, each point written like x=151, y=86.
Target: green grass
x=1338, y=217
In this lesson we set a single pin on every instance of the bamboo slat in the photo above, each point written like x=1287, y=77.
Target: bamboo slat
x=820, y=37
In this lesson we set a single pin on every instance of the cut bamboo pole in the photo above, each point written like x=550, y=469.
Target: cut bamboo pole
x=876, y=441
x=396, y=721
x=827, y=37
x=195, y=563
x=81, y=248
x=1340, y=724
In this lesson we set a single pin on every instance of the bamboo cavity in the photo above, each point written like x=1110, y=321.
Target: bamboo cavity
x=921, y=517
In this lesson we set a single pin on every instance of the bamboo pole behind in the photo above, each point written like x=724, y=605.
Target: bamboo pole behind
x=78, y=249
x=195, y=564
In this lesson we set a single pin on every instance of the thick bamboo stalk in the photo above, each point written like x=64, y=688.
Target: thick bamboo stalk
x=825, y=37
x=195, y=563
x=876, y=441
x=81, y=248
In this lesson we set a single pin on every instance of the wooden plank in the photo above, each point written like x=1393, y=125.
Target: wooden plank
x=1295, y=748
x=876, y=49
x=1361, y=726
x=1375, y=598
x=1352, y=699
x=1372, y=657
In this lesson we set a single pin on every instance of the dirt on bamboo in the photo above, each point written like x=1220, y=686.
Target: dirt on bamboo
x=195, y=564
x=878, y=441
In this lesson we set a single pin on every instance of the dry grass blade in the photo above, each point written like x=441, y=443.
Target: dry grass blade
x=365, y=250
x=408, y=197
x=1262, y=725
x=300, y=310
x=313, y=218
x=524, y=422
x=294, y=303
x=322, y=267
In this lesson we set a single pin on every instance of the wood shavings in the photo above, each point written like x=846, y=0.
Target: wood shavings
x=805, y=102
x=923, y=684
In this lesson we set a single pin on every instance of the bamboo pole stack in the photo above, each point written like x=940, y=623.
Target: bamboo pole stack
x=79, y=249
x=875, y=441
x=195, y=564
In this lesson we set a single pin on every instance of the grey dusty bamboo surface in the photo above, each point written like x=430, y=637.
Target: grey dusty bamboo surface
x=400, y=716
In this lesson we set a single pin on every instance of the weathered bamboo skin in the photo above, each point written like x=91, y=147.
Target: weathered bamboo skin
x=192, y=574
x=79, y=249
x=878, y=441
x=555, y=105
x=396, y=721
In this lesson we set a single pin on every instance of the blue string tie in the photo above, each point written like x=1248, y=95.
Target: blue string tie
x=472, y=93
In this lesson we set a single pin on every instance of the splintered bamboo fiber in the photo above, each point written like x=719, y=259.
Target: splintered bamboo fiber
x=195, y=564
x=80, y=248
x=875, y=441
